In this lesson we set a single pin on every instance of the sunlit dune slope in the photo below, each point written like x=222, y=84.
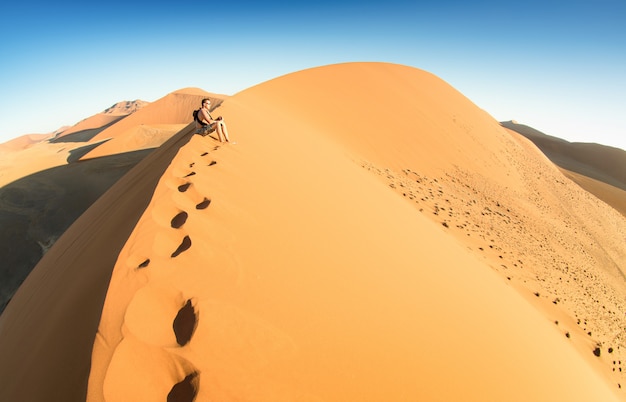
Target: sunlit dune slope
x=105, y=118
x=389, y=115
x=44, y=186
x=599, y=169
x=47, y=331
x=37, y=152
x=22, y=142
x=280, y=269
x=601, y=162
x=88, y=128
x=371, y=236
x=613, y=196
x=153, y=124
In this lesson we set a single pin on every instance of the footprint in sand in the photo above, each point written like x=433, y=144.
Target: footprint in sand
x=159, y=319
x=182, y=170
x=137, y=261
x=201, y=160
x=186, y=390
x=187, y=197
x=185, y=323
x=184, y=246
x=179, y=220
x=186, y=191
x=161, y=316
x=156, y=318
x=184, y=187
x=156, y=375
x=204, y=204
x=170, y=243
x=163, y=213
x=174, y=182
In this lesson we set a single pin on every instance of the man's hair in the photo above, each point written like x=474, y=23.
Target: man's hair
x=205, y=100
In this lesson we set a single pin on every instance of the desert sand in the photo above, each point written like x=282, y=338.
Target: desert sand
x=149, y=127
x=373, y=235
x=597, y=168
x=47, y=181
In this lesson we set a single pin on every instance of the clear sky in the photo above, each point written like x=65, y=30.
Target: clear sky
x=558, y=66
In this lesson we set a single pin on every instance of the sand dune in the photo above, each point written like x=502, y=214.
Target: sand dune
x=51, y=321
x=373, y=235
x=106, y=117
x=36, y=152
x=94, y=122
x=23, y=142
x=153, y=124
x=597, y=161
x=599, y=169
x=45, y=190
x=612, y=195
x=35, y=211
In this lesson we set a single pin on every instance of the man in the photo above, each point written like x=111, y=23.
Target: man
x=208, y=123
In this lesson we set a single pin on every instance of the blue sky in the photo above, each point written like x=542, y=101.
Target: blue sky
x=558, y=66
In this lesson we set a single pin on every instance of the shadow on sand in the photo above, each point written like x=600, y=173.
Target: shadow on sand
x=37, y=209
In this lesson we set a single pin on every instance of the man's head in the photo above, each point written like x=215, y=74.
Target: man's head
x=206, y=102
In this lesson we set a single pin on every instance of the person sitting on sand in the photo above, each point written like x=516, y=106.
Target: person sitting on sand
x=208, y=124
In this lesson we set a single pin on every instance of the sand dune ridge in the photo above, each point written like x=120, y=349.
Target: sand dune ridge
x=372, y=235
x=294, y=273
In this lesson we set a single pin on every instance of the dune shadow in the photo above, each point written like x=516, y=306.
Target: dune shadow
x=79, y=267
x=37, y=209
x=582, y=161
x=84, y=135
x=600, y=162
x=76, y=154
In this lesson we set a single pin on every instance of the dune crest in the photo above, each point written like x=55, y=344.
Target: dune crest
x=152, y=125
x=348, y=291
x=599, y=169
x=46, y=183
x=22, y=142
x=110, y=115
x=372, y=235
x=63, y=295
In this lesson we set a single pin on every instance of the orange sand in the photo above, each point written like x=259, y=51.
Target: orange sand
x=372, y=236
x=151, y=126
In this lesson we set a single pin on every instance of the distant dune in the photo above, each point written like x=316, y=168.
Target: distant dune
x=44, y=190
x=66, y=299
x=372, y=236
x=599, y=169
x=101, y=120
x=152, y=125
x=23, y=142
x=37, y=209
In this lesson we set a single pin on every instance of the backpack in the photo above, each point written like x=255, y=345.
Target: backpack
x=196, y=119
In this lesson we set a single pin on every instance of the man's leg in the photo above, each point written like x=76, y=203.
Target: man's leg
x=223, y=132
